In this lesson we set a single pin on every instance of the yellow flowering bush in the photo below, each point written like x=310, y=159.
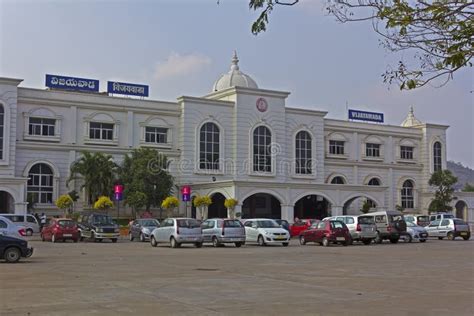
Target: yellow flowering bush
x=230, y=203
x=64, y=202
x=103, y=203
x=170, y=203
x=202, y=200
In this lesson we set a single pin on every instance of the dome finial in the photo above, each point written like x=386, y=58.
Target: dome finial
x=411, y=120
x=235, y=61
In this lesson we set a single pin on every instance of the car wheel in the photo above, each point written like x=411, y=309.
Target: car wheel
x=29, y=232
x=466, y=237
x=64, y=239
x=114, y=240
x=325, y=242
x=142, y=238
x=422, y=240
x=285, y=244
x=302, y=240
x=238, y=244
x=93, y=237
x=451, y=236
x=215, y=242
x=409, y=239
x=173, y=243
x=440, y=238
x=99, y=239
x=378, y=238
x=153, y=241
x=42, y=238
x=345, y=243
x=261, y=241
x=198, y=244
x=130, y=236
x=53, y=238
x=394, y=240
x=75, y=240
x=12, y=255
x=367, y=241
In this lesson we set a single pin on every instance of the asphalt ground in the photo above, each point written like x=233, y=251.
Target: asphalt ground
x=133, y=278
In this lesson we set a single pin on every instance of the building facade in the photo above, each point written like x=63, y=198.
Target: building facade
x=239, y=141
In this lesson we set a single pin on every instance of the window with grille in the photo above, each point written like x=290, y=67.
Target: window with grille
x=41, y=126
x=406, y=152
x=101, y=131
x=336, y=147
x=407, y=195
x=437, y=159
x=209, y=137
x=303, y=153
x=374, y=181
x=262, y=156
x=40, y=184
x=156, y=135
x=372, y=150
x=338, y=180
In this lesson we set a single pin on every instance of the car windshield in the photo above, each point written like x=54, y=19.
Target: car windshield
x=150, y=223
x=337, y=224
x=267, y=224
x=232, y=223
x=459, y=222
x=188, y=223
x=448, y=216
x=66, y=223
x=103, y=220
x=366, y=220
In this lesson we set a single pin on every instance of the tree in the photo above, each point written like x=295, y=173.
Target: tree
x=365, y=207
x=97, y=171
x=103, y=203
x=438, y=32
x=144, y=170
x=230, y=205
x=468, y=188
x=444, y=181
x=136, y=200
x=64, y=202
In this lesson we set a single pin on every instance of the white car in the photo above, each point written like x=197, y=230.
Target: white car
x=8, y=228
x=414, y=232
x=265, y=231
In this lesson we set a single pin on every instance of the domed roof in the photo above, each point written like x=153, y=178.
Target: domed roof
x=411, y=120
x=234, y=78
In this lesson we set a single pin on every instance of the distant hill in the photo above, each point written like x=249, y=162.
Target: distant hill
x=464, y=174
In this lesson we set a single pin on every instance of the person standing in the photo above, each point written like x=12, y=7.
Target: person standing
x=42, y=221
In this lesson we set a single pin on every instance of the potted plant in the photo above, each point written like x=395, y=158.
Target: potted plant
x=201, y=202
x=170, y=204
x=64, y=202
x=230, y=205
x=103, y=203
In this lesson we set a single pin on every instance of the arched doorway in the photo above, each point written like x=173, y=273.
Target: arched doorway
x=261, y=205
x=359, y=205
x=217, y=208
x=461, y=208
x=7, y=202
x=312, y=206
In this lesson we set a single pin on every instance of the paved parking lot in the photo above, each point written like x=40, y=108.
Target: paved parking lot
x=125, y=278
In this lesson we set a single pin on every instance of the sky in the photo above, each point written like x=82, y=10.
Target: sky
x=180, y=47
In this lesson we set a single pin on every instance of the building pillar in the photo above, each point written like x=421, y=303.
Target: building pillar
x=238, y=211
x=21, y=207
x=336, y=210
x=288, y=213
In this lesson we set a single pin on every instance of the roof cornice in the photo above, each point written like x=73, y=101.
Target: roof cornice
x=302, y=111
x=10, y=81
x=244, y=90
x=185, y=98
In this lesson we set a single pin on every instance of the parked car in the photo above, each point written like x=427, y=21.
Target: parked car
x=284, y=224
x=97, y=227
x=362, y=228
x=223, y=231
x=8, y=228
x=28, y=221
x=420, y=220
x=450, y=228
x=142, y=228
x=440, y=216
x=13, y=248
x=390, y=224
x=414, y=232
x=265, y=231
x=178, y=231
x=303, y=224
x=60, y=229
x=327, y=232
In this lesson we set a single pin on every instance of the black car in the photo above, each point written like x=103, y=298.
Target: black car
x=12, y=249
x=284, y=224
x=97, y=226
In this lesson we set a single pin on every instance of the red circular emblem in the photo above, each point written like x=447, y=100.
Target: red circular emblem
x=262, y=104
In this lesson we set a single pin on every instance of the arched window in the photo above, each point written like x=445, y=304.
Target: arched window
x=209, y=137
x=338, y=180
x=2, y=132
x=303, y=153
x=40, y=184
x=437, y=156
x=407, y=196
x=262, y=156
x=374, y=181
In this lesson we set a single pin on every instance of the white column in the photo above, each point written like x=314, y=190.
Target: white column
x=130, y=128
x=21, y=207
x=238, y=211
x=73, y=127
x=288, y=212
x=336, y=210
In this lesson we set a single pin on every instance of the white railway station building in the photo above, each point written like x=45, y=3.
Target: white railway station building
x=238, y=141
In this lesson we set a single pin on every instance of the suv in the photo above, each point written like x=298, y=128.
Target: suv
x=97, y=227
x=390, y=225
x=449, y=227
x=362, y=228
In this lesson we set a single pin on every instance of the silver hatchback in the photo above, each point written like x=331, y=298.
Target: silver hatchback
x=177, y=231
x=450, y=228
x=223, y=231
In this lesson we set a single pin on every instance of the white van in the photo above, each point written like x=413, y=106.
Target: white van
x=28, y=221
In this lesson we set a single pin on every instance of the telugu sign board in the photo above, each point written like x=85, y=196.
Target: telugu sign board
x=72, y=83
x=127, y=88
x=366, y=116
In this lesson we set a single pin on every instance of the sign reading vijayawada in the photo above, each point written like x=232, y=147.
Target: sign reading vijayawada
x=127, y=88
x=366, y=116
x=72, y=83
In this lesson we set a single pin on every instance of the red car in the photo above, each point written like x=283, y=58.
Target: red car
x=327, y=232
x=300, y=226
x=60, y=229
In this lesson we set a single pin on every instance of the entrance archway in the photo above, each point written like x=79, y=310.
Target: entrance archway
x=461, y=208
x=312, y=206
x=7, y=202
x=217, y=208
x=355, y=205
x=261, y=205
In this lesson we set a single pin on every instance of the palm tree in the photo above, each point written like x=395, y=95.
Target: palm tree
x=97, y=170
